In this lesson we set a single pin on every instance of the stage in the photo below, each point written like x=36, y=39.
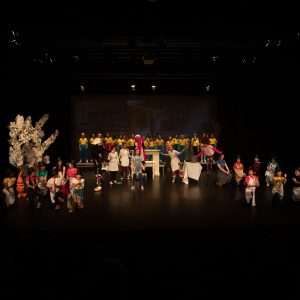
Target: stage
x=180, y=241
x=163, y=205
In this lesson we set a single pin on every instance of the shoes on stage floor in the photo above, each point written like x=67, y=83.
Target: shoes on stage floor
x=98, y=188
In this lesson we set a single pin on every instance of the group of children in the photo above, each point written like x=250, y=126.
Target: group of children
x=273, y=176
x=37, y=188
x=179, y=142
x=67, y=185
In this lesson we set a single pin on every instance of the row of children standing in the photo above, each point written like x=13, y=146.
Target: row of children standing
x=179, y=142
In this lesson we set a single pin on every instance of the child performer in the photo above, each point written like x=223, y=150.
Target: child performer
x=251, y=183
x=278, y=181
x=113, y=166
x=209, y=151
x=256, y=166
x=124, y=158
x=174, y=160
x=238, y=168
x=77, y=186
x=223, y=173
x=8, y=189
x=41, y=176
x=271, y=168
x=137, y=168
x=83, y=146
x=296, y=185
x=31, y=184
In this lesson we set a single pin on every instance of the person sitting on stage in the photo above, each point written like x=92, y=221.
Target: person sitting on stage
x=223, y=174
x=238, y=168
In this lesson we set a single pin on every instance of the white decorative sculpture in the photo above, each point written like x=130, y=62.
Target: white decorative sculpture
x=26, y=145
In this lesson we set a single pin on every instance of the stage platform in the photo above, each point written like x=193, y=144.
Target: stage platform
x=177, y=241
x=163, y=205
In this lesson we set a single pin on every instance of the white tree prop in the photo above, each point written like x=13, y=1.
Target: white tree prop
x=26, y=145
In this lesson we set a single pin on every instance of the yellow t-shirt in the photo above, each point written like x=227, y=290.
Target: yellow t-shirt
x=175, y=141
x=182, y=142
x=160, y=142
x=277, y=179
x=131, y=142
x=83, y=141
x=120, y=141
x=213, y=141
x=152, y=144
x=92, y=140
x=108, y=140
x=195, y=142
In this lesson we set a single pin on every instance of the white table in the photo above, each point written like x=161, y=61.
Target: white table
x=155, y=159
x=191, y=170
x=151, y=164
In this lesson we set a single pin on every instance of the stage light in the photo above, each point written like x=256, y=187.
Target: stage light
x=268, y=43
x=153, y=87
x=253, y=59
x=279, y=43
x=244, y=60
x=82, y=88
x=215, y=58
x=76, y=58
x=207, y=88
x=133, y=87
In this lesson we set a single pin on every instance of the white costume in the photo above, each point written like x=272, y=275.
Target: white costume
x=174, y=160
x=113, y=161
x=250, y=189
x=124, y=157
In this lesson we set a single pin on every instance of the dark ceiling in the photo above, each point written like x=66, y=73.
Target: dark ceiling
x=151, y=40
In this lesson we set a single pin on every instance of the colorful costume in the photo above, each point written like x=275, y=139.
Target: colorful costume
x=251, y=183
x=139, y=143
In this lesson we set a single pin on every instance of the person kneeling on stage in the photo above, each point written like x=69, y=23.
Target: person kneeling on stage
x=251, y=183
x=76, y=190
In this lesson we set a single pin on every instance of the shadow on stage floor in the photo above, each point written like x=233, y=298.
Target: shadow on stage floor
x=170, y=241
